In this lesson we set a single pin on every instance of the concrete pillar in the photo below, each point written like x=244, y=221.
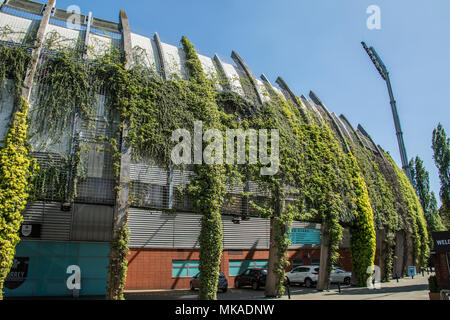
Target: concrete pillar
x=317, y=101
x=248, y=73
x=35, y=54
x=381, y=236
x=162, y=62
x=121, y=207
x=324, y=275
x=224, y=81
x=87, y=34
x=399, y=253
x=292, y=97
x=275, y=230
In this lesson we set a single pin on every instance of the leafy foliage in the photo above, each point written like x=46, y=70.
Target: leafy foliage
x=16, y=171
x=427, y=198
x=14, y=62
x=415, y=221
x=441, y=149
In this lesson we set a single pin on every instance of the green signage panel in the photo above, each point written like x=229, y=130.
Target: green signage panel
x=305, y=236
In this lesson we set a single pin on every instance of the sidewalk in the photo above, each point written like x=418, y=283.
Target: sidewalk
x=405, y=289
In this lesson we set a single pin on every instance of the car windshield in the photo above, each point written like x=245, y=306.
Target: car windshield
x=264, y=271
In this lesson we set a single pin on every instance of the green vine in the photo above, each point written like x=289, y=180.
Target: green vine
x=415, y=222
x=118, y=265
x=16, y=171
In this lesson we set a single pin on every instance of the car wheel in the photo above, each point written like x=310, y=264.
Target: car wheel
x=237, y=284
x=347, y=281
x=192, y=286
x=255, y=285
x=308, y=283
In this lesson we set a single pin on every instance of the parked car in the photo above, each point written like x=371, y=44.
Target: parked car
x=255, y=278
x=339, y=275
x=307, y=275
x=223, y=282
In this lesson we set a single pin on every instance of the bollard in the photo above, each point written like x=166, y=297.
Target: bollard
x=339, y=287
x=286, y=284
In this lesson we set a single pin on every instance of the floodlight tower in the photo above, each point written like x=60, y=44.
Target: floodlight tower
x=385, y=75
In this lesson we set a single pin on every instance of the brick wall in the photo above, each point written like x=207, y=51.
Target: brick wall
x=441, y=269
x=150, y=269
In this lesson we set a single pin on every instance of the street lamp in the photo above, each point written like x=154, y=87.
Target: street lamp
x=385, y=75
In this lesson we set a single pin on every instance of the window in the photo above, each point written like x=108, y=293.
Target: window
x=184, y=268
x=239, y=266
x=297, y=263
x=315, y=261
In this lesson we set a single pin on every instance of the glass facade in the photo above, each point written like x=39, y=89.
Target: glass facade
x=185, y=268
x=239, y=266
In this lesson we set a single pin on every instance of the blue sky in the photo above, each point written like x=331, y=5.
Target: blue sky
x=315, y=45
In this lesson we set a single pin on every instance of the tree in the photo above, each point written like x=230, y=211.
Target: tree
x=441, y=149
x=427, y=198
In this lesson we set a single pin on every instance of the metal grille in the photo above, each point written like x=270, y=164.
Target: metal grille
x=21, y=13
x=52, y=181
x=92, y=223
x=56, y=224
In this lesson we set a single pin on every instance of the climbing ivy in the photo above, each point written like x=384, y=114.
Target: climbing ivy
x=118, y=265
x=14, y=62
x=363, y=237
x=65, y=81
x=415, y=222
x=16, y=171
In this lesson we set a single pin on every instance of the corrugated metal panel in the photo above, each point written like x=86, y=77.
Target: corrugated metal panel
x=182, y=178
x=92, y=222
x=186, y=230
x=253, y=233
x=148, y=173
x=150, y=229
x=56, y=224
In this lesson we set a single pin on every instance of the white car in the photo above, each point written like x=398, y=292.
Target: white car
x=339, y=275
x=307, y=275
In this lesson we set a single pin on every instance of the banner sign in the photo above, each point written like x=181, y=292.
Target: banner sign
x=305, y=236
x=441, y=241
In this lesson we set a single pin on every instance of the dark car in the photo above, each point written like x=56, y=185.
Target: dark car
x=223, y=282
x=251, y=277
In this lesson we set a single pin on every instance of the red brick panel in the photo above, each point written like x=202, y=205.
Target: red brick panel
x=150, y=269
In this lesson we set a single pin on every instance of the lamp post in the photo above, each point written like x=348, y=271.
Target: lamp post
x=385, y=75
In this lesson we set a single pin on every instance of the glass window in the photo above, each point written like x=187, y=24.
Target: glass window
x=315, y=261
x=239, y=266
x=184, y=268
x=297, y=262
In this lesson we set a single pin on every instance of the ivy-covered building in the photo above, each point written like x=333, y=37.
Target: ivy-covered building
x=100, y=162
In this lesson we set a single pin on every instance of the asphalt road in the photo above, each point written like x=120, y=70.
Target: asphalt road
x=405, y=289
